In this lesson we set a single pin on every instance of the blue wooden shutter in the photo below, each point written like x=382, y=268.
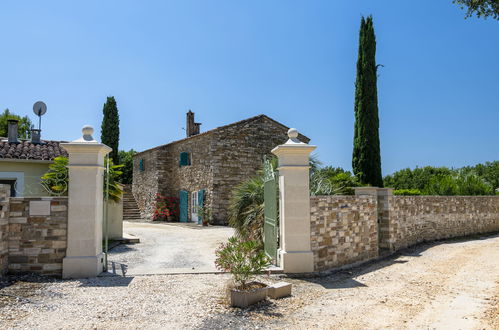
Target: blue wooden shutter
x=184, y=159
x=141, y=164
x=201, y=203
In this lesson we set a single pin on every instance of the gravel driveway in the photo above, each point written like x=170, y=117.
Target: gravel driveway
x=170, y=248
x=451, y=285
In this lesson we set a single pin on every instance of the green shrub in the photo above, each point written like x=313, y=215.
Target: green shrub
x=243, y=259
x=443, y=185
x=332, y=181
x=471, y=184
x=482, y=176
x=407, y=192
x=417, y=178
x=126, y=159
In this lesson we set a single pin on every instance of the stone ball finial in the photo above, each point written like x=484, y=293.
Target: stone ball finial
x=293, y=136
x=292, y=133
x=87, y=131
x=87, y=137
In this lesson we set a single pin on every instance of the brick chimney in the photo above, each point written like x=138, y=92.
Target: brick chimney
x=192, y=128
x=35, y=136
x=12, y=125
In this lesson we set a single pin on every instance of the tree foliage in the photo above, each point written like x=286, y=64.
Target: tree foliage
x=23, y=129
x=482, y=179
x=417, y=178
x=366, y=158
x=110, y=128
x=332, y=181
x=126, y=159
x=480, y=8
x=489, y=172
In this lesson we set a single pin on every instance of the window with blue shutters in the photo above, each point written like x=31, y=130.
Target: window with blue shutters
x=184, y=159
x=141, y=165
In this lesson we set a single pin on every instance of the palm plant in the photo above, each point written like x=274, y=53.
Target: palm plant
x=55, y=181
x=246, y=208
x=332, y=181
x=115, y=189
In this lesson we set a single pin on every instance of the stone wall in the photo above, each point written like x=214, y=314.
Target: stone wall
x=415, y=219
x=145, y=183
x=238, y=152
x=349, y=229
x=220, y=159
x=36, y=243
x=194, y=177
x=343, y=230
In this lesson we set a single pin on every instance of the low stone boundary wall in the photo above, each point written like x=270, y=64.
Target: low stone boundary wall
x=343, y=230
x=415, y=219
x=33, y=235
x=351, y=229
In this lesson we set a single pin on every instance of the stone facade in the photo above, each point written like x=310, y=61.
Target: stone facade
x=350, y=229
x=32, y=243
x=343, y=230
x=415, y=219
x=219, y=160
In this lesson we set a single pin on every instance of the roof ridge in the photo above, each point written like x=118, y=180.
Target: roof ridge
x=213, y=130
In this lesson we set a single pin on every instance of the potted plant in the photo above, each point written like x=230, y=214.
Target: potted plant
x=244, y=260
x=204, y=214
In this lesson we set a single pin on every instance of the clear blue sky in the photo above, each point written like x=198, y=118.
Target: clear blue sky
x=229, y=60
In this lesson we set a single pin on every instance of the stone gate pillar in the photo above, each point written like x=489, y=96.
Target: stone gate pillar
x=84, y=257
x=294, y=205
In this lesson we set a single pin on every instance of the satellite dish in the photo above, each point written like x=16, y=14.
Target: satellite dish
x=39, y=108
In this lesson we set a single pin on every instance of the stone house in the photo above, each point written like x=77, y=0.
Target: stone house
x=203, y=168
x=23, y=162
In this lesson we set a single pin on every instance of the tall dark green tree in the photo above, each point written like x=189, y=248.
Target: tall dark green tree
x=366, y=159
x=110, y=128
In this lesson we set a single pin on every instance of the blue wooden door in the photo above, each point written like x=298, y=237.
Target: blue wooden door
x=201, y=204
x=184, y=205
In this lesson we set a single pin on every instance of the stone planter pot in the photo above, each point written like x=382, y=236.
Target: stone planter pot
x=240, y=298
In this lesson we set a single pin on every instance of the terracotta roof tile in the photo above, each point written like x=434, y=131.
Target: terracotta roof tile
x=47, y=150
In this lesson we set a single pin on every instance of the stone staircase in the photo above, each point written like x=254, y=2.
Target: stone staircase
x=130, y=209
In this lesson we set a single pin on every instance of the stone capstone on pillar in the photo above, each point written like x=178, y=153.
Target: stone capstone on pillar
x=295, y=253
x=84, y=256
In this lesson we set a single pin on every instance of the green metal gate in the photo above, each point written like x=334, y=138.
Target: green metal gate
x=271, y=224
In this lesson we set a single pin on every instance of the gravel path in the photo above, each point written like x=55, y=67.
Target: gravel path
x=170, y=248
x=452, y=285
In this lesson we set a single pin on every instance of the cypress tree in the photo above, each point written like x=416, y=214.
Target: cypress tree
x=110, y=128
x=366, y=159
